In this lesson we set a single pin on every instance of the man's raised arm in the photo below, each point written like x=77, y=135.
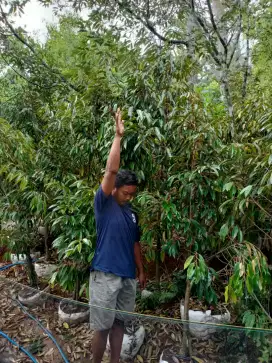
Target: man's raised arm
x=113, y=162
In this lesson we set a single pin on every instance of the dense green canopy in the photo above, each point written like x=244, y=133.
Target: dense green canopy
x=194, y=83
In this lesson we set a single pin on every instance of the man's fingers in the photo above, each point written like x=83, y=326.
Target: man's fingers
x=119, y=116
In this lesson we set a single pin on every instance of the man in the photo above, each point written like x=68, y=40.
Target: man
x=112, y=280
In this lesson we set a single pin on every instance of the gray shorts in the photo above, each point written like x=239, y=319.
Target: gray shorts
x=108, y=293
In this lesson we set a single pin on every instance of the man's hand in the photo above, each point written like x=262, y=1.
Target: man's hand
x=119, y=123
x=142, y=280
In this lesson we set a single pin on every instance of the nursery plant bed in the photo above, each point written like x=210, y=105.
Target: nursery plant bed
x=45, y=269
x=206, y=318
x=76, y=340
x=73, y=313
x=32, y=297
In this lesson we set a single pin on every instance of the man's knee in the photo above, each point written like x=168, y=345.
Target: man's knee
x=102, y=333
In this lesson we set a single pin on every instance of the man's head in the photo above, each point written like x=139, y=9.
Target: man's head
x=125, y=186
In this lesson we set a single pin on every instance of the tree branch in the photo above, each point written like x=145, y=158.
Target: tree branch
x=263, y=309
x=233, y=33
x=216, y=29
x=29, y=46
x=214, y=52
x=146, y=22
x=237, y=38
x=246, y=73
x=20, y=75
x=147, y=10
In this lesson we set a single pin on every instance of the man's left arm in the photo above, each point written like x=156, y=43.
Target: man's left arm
x=139, y=264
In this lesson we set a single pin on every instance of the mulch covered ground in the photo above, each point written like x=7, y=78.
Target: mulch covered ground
x=76, y=341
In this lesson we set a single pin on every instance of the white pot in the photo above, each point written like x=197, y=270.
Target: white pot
x=204, y=331
x=146, y=293
x=132, y=342
x=45, y=270
x=31, y=297
x=22, y=258
x=77, y=314
x=168, y=356
x=42, y=230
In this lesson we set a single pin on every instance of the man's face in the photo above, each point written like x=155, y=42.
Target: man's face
x=124, y=194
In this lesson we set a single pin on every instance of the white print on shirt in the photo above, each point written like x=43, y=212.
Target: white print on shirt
x=133, y=217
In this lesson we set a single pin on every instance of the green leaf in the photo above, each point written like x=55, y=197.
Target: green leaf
x=188, y=261
x=224, y=231
x=246, y=190
x=168, y=152
x=162, y=256
x=226, y=294
x=53, y=278
x=249, y=286
x=140, y=114
x=79, y=247
x=191, y=271
x=69, y=253
x=240, y=236
x=87, y=242
x=234, y=232
x=228, y=186
x=158, y=133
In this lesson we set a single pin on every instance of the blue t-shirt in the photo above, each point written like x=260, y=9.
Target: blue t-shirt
x=117, y=231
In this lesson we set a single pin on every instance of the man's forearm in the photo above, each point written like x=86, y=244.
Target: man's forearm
x=138, y=257
x=112, y=167
x=113, y=161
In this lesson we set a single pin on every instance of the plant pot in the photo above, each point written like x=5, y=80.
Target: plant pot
x=204, y=331
x=42, y=230
x=168, y=356
x=32, y=297
x=132, y=342
x=22, y=258
x=73, y=313
x=146, y=294
x=45, y=270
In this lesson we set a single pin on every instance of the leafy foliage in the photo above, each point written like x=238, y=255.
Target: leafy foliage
x=205, y=169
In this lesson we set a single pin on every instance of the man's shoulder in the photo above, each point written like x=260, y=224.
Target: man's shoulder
x=101, y=200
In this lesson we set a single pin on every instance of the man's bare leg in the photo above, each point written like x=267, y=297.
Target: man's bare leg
x=99, y=345
x=116, y=340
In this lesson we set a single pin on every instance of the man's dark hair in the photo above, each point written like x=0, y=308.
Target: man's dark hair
x=125, y=177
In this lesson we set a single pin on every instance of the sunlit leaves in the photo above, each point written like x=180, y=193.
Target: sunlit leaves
x=246, y=190
x=250, y=273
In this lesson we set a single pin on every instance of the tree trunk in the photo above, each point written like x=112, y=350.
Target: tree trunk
x=32, y=276
x=158, y=262
x=46, y=235
x=246, y=64
x=227, y=93
x=187, y=346
x=77, y=287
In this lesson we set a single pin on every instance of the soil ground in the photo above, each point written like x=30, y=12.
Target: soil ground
x=226, y=345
